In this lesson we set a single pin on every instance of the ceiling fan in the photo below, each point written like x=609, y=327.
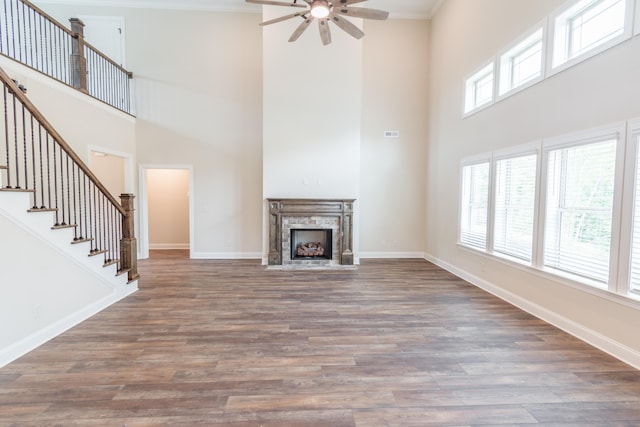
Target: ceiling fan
x=325, y=11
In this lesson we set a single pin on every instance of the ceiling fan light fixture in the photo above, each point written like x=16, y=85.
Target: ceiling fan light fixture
x=320, y=9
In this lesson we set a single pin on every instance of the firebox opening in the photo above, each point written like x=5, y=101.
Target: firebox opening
x=311, y=244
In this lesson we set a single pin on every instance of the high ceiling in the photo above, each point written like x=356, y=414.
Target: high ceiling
x=397, y=8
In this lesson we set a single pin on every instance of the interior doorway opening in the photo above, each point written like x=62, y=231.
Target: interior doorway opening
x=165, y=211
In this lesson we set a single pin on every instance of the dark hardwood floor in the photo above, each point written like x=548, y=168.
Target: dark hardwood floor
x=394, y=343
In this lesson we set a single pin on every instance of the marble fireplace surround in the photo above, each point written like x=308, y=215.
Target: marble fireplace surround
x=321, y=214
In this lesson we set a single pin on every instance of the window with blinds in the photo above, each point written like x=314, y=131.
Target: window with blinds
x=634, y=282
x=515, y=192
x=473, y=205
x=579, y=201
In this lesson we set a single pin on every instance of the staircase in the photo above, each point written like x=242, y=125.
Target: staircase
x=67, y=246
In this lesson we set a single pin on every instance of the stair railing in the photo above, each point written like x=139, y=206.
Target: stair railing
x=30, y=36
x=36, y=159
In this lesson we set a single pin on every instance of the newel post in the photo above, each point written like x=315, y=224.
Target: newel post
x=128, y=244
x=78, y=60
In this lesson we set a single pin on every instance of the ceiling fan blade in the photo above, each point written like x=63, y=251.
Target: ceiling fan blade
x=284, y=18
x=359, y=12
x=347, y=26
x=298, y=32
x=339, y=3
x=276, y=3
x=325, y=32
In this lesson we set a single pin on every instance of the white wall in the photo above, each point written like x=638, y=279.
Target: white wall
x=312, y=112
x=200, y=87
x=82, y=121
x=198, y=78
x=393, y=170
x=599, y=91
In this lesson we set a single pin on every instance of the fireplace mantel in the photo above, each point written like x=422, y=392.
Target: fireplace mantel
x=337, y=212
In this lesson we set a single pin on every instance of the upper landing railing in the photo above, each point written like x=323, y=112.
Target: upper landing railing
x=30, y=36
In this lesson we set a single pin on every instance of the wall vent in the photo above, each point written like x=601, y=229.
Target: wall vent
x=392, y=134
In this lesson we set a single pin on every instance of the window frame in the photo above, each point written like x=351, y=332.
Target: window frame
x=541, y=26
x=636, y=31
x=632, y=168
x=474, y=161
x=556, y=39
x=472, y=79
x=615, y=131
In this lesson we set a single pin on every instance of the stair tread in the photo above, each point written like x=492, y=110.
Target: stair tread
x=98, y=252
x=61, y=227
x=36, y=210
x=112, y=262
x=83, y=240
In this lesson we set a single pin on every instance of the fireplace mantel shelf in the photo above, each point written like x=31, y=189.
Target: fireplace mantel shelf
x=285, y=214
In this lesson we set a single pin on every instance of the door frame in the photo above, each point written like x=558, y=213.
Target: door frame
x=143, y=206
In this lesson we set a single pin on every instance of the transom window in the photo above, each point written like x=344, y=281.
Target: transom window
x=522, y=63
x=586, y=25
x=479, y=89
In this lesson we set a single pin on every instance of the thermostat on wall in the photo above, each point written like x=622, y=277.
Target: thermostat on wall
x=392, y=134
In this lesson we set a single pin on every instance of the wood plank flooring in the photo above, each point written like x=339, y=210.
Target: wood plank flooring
x=394, y=343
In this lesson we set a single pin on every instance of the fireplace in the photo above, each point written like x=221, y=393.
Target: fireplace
x=315, y=223
x=311, y=244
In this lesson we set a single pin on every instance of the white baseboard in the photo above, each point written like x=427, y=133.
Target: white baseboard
x=596, y=339
x=391, y=255
x=167, y=246
x=226, y=255
x=27, y=344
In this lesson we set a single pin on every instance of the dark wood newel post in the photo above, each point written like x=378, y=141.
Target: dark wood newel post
x=128, y=244
x=78, y=60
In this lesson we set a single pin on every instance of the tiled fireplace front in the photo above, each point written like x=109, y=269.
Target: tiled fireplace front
x=335, y=217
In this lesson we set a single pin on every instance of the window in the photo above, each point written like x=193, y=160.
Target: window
x=473, y=205
x=522, y=63
x=587, y=25
x=634, y=281
x=579, y=208
x=637, y=24
x=515, y=189
x=479, y=89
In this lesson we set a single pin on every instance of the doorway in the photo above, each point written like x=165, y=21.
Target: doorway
x=166, y=211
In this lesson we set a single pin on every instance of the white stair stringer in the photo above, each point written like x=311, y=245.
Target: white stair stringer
x=107, y=286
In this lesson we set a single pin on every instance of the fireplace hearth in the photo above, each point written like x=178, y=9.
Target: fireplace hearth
x=310, y=233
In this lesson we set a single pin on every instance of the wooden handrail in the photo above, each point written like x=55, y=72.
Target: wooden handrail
x=58, y=138
x=109, y=60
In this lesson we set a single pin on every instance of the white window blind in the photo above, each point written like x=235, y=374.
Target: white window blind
x=634, y=284
x=522, y=63
x=474, y=202
x=587, y=25
x=579, y=203
x=515, y=206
